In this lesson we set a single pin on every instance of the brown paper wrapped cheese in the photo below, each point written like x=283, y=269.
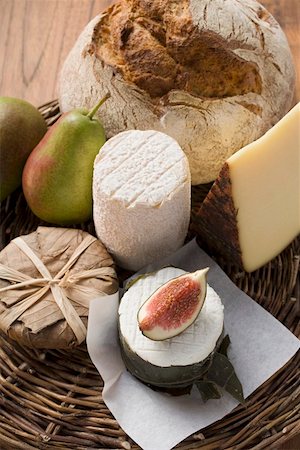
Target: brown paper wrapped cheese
x=47, y=280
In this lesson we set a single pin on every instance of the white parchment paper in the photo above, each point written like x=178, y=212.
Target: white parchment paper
x=260, y=345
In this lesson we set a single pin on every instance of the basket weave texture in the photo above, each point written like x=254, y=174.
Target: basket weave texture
x=52, y=399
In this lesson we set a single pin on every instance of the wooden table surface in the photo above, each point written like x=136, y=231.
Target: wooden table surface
x=36, y=36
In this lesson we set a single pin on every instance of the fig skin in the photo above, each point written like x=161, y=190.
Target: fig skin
x=173, y=307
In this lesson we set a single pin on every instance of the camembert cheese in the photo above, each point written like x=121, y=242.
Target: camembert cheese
x=252, y=211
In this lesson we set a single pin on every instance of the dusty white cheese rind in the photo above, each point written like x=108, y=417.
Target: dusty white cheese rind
x=142, y=196
x=191, y=346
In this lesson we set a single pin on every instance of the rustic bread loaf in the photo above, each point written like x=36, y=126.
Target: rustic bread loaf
x=214, y=75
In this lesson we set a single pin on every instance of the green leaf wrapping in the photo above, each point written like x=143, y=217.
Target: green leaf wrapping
x=208, y=390
x=221, y=372
x=224, y=345
x=173, y=377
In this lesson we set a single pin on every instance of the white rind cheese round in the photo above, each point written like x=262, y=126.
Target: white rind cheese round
x=142, y=197
x=191, y=346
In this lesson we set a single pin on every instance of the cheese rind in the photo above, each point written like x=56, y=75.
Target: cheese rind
x=253, y=209
x=192, y=346
x=141, y=192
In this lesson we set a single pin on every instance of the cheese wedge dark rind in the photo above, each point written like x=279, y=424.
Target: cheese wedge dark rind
x=252, y=212
x=217, y=219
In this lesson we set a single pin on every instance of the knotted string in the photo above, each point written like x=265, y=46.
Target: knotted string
x=57, y=284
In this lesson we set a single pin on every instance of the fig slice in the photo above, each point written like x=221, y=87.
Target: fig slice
x=173, y=307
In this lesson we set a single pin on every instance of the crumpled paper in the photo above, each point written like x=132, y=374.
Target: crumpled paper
x=260, y=345
x=63, y=267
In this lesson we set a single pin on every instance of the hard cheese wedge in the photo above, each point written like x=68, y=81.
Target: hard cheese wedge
x=252, y=211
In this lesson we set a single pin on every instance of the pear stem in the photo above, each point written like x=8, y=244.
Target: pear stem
x=93, y=111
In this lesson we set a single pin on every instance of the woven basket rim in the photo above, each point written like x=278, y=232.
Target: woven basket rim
x=61, y=390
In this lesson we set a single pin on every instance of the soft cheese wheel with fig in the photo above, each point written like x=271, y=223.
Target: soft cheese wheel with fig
x=142, y=196
x=176, y=361
x=213, y=74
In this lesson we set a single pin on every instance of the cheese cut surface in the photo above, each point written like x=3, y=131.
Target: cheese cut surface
x=253, y=210
x=191, y=346
x=141, y=193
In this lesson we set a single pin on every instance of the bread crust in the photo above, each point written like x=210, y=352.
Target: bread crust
x=214, y=75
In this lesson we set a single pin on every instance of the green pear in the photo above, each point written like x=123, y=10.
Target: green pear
x=21, y=129
x=57, y=177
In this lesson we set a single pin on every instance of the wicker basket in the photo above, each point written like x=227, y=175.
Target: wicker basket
x=52, y=399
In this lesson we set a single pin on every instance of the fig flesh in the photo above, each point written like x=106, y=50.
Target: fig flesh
x=173, y=307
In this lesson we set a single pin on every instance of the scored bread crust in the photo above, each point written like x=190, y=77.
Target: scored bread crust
x=214, y=75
